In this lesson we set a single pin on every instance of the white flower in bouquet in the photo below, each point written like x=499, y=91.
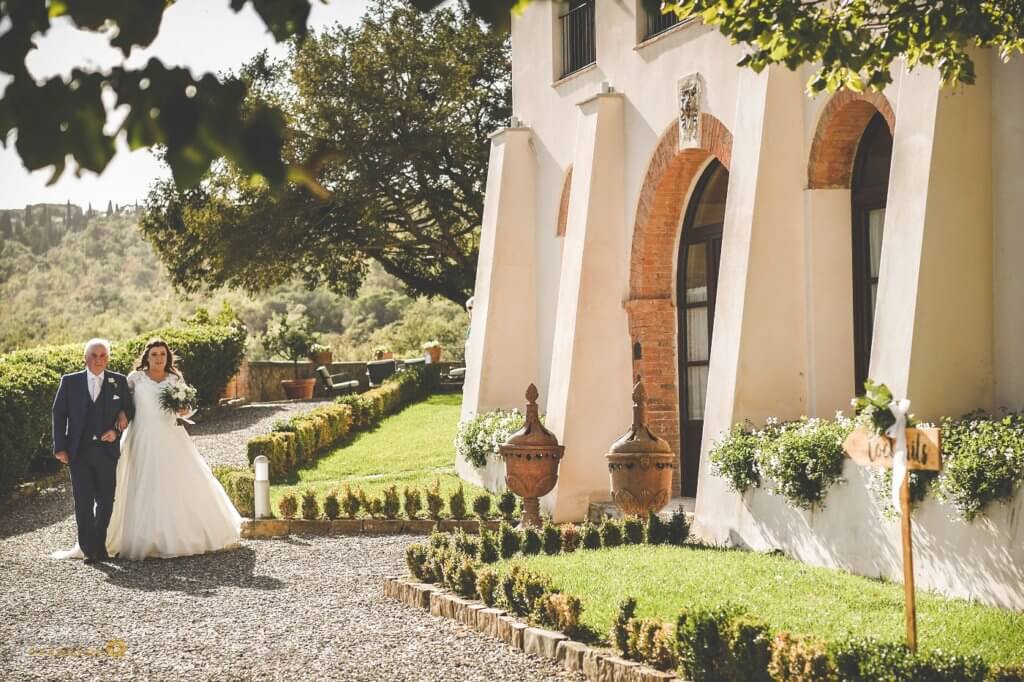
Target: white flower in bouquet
x=179, y=397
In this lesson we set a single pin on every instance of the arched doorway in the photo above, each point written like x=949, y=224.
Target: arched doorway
x=869, y=188
x=700, y=251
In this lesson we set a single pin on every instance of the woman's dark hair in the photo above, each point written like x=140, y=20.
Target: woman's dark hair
x=143, y=362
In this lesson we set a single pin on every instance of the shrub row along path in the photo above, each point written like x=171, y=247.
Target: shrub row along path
x=292, y=608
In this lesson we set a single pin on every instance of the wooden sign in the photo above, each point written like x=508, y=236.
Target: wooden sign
x=871, y=450
x=923, y=454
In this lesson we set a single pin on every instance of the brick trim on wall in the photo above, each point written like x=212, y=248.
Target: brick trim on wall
x=651, y=311
x=840, y=126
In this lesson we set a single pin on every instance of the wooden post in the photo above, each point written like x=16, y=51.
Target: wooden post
x=908, y=565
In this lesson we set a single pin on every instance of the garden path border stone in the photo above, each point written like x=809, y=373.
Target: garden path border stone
x=599, y=665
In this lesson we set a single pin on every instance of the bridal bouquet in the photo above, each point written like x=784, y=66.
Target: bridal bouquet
x=178, y=397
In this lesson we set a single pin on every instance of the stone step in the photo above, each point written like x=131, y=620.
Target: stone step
x=603, y=510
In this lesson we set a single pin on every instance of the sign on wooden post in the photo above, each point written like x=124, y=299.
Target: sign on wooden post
x=923, y=454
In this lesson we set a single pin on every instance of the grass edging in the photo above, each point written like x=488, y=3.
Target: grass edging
x=574, y=656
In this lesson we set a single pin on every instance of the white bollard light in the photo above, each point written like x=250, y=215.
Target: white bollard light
x=262, y=492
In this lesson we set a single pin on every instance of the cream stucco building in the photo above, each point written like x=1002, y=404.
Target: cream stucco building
x=750, y=251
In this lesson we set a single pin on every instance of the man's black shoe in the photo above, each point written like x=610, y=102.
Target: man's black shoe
x=89, y=560
x=102, y=556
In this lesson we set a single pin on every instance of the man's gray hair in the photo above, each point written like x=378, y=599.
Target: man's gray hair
x=96, y=342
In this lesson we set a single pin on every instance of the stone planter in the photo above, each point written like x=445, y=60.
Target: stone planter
x=640, y=464
x=434, y=354
x=324, y=358
x=300, y=389
x=531, y=459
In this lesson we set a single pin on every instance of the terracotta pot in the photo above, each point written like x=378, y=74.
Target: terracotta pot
x=323, y=358
x=435, y=354
x=383, y=356
x=640, y=464
x=301, y=389
x=531, y=459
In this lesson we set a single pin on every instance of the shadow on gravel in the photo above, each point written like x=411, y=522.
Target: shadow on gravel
x=198, y=576
x=30, y=514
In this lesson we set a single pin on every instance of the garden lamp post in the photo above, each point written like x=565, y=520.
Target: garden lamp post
x=262, y=492
x=531, y=457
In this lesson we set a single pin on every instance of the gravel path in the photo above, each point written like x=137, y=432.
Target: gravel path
x=222, y=440
x=297, y=608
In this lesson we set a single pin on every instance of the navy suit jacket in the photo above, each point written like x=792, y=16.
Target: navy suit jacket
x=71, y=403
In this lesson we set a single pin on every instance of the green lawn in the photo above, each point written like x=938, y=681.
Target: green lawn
x=411, y=448
x=784, y=593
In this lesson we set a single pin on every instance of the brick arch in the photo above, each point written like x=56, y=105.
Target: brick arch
x=839, y=130
x=670, y=177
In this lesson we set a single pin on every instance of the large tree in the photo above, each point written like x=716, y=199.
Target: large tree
x=201, y=119
x=398, y=108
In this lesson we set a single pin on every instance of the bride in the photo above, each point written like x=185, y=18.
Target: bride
x=167, y=502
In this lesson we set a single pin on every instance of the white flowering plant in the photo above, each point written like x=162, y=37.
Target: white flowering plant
x=983, y=461
x=873, y=409
x=179, y=397
x=478, y=438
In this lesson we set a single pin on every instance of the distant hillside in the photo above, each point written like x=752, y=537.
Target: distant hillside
x=67, y=280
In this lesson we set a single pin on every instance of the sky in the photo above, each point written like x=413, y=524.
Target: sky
x=203, y=35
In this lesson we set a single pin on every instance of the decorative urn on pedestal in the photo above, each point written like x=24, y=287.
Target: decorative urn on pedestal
x=640, y=464
x=531, y=457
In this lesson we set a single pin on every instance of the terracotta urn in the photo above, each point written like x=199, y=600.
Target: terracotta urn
x=298, y=389
x=640, y=464
x=531, y=457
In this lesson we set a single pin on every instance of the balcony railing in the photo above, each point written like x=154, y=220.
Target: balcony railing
x=578, y=45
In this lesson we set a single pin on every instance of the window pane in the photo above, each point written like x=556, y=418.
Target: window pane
x=697, y=334
x=871, y=312
x=696, y=273
x=876, y=222
x=711, y=206
x=696, y=391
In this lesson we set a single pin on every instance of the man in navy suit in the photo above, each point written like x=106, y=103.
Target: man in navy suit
x=92, y=407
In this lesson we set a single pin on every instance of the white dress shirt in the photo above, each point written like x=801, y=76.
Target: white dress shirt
x=95, y=384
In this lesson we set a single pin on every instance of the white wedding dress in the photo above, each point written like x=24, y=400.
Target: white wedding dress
x=167, y=502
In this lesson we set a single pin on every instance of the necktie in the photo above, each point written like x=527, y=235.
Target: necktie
x=94, y=387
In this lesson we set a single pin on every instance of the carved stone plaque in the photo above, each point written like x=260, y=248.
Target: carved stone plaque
x=690, y=95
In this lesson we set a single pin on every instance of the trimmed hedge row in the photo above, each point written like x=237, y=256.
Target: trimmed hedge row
x=26, y=394
x=240, y=485
x=211, y=355
x=298, y=441
x=725, y=644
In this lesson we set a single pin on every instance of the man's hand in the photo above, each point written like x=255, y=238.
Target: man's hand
x=62, y=456
x=109, y=437
x=122, y=421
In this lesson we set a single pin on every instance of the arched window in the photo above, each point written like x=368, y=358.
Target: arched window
x=869, y=188
x=700, y=251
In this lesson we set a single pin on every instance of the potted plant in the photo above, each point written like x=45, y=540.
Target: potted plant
x=291, y=337
x=320, y=354
x=432, y=350
x=382, y=353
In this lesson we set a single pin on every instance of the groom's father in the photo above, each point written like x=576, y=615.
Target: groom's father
x=89, y=412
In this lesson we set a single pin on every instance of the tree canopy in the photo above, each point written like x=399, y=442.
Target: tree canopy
x=398, y=109
x=202, y=119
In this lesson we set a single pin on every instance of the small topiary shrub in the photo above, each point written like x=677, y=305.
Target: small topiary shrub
x=509, y=540
x=570, y=538
x=416, y=560
x=487, y=586
x=653, y=642
x=562, y=612
x=532, y=542
x=611, y=533
x=457, y=504
x=391, y=504
x=310, y=506
x=633, y=530
x=412, y=502
x=332, y=508
x=657, y=530
x=799, y=659
x=678, y=528
x=464, y=581
x=507, y=505
x=749, y=650
x=488, y=547
x=590, y=536
x=703, y=643
x=482, y=506
x=351, y=502
x=435, y=503
x=552, y=538
x=620, y=629
x=374, y=506
x=288, y=505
